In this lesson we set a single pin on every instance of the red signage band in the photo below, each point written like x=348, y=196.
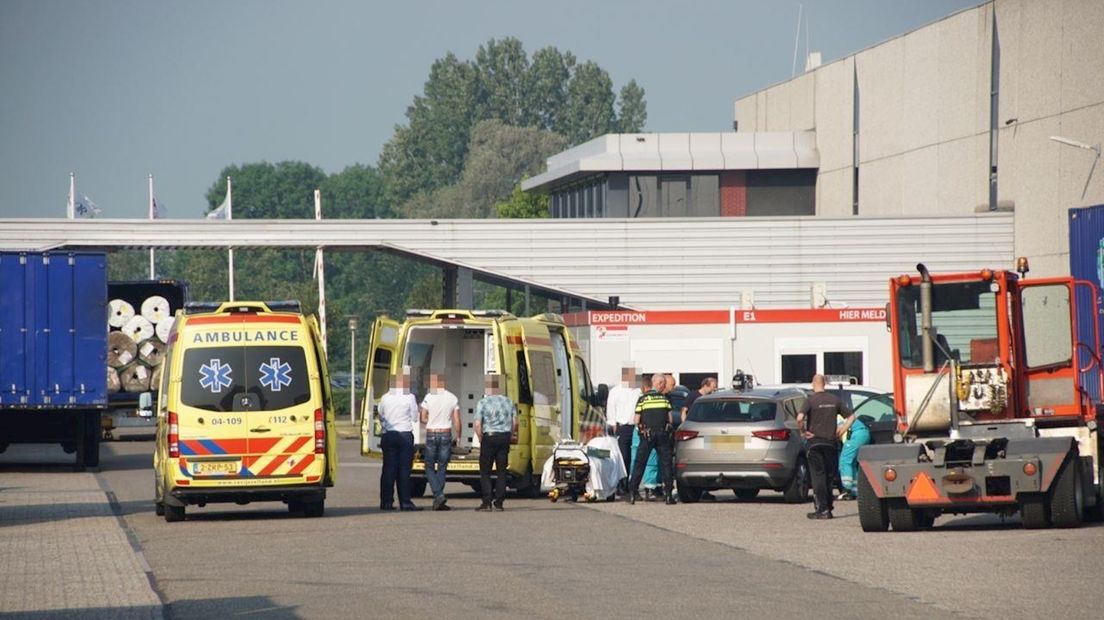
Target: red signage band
x=684, y=317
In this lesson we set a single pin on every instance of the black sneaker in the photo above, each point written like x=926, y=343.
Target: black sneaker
x=444, y=506
x=438, y=502
x=484, y=507
x=498, y=508
x=827, y=514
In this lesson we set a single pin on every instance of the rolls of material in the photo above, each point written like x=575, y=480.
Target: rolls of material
x=163, y=328
x=113, y=384
x=138, y=328
x=135, y=377
x=155, y=378
x=121, y=350
x=151, y=351
x=156, y=309
x=119, y=312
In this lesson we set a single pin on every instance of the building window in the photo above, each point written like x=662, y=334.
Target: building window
x=844, y=363
x=799, y=368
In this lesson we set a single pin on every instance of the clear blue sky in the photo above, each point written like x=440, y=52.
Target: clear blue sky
x=115, y=90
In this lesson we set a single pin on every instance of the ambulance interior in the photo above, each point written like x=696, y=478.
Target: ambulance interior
x=464, y=355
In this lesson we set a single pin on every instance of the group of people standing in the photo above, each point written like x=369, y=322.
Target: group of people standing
x=495, y=425
x=644, y=421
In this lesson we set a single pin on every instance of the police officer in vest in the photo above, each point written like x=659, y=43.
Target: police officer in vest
x=653, y=418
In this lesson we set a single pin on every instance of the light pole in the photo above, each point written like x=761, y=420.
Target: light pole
x=1095, y=148
x=352, y=370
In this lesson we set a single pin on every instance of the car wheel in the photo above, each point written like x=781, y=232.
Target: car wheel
x=690, y=495
x=873, y=516
x=531, y=490
x=746, y=493
x=1067, y=498
x=174, y=513
x=797, y=491
x=315, y=509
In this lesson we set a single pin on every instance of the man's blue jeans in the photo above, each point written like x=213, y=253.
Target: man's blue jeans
x=437, y=452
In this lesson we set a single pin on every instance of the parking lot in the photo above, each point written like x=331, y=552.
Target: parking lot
x=82, y=544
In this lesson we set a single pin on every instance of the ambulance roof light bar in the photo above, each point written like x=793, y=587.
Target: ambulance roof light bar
x=241, y=307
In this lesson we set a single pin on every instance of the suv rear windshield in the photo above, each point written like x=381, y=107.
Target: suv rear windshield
x=275, y=377
x=743, y=410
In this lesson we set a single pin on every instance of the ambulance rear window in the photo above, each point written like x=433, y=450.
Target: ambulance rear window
x=277, y=376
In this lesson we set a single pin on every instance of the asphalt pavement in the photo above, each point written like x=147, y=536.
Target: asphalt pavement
x=758, y=558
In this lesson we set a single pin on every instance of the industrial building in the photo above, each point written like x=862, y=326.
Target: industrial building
x=998, y=109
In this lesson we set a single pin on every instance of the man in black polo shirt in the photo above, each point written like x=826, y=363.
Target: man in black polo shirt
x=817, y=421
x=653, y=418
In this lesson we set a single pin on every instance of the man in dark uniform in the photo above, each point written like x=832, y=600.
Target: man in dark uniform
x=653, y=418
x=817, y=421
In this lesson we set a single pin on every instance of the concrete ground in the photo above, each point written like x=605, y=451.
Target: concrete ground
x=758, y=558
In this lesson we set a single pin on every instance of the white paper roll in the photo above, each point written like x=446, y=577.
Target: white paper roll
x=163, y=328
x=119, y=312
x=156, y=309
x=135, y=378
x=112, y=380
x=138, y=328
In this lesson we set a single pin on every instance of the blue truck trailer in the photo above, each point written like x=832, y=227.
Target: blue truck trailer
x=53, y=349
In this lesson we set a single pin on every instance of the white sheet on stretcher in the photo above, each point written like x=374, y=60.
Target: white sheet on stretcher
x=605, y=472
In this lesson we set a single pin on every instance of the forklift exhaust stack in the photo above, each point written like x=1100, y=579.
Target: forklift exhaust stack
x=926, y=339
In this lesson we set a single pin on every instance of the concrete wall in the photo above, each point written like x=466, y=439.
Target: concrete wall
x=923, y=103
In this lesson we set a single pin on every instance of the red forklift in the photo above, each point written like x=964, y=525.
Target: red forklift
x=998, y=389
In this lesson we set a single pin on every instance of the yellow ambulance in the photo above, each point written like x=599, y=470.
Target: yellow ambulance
x=244, y=410
x=544, y=371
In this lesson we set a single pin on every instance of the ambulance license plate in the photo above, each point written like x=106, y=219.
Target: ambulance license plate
x=215, y=467
x=463, y=466
x=726, y=443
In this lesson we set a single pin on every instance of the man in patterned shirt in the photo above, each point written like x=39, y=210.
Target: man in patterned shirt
x=495, y=425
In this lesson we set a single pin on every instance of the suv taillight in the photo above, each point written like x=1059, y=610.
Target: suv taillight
x=174, y=435
x=685, y=435
x=319, y=433
x=782, y=434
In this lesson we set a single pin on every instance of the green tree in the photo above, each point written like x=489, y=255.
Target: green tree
x=552, y=93
x=588, y=112
x=499, y=156
x=523, y=205
x=354, y=193
x=633, y=112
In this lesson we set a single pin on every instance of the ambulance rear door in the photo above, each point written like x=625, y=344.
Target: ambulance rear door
x=545, y=389
x=383, y=355
x=327, y=403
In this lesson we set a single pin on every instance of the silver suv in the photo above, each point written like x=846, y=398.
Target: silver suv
x=746, y=441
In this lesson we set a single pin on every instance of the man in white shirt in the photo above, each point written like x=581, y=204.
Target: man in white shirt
x=620, y=410
x=441, y=415
x=398, y=410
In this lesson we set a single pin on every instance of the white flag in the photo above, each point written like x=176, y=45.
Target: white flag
x=159, y=209
x=220, y=212
x=85, y=208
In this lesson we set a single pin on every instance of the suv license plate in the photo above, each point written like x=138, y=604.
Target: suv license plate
x=215, y=467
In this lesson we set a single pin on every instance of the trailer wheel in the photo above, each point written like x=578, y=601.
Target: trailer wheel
x=174, y=513
x=872, y=510
x=901, y=517
x=1067, y=498
x=92, y=439
x=1034, y=511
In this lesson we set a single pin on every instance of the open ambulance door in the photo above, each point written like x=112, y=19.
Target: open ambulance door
x=382, y=363
x=327, y=402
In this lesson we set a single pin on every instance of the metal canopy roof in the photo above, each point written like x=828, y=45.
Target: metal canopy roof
x=679, y=152
x=697, y=263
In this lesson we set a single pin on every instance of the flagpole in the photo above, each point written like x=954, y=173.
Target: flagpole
x=71, y=211
x=151, y=216
x=230, y=252
x=320, y=270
